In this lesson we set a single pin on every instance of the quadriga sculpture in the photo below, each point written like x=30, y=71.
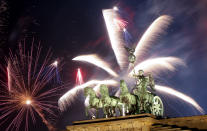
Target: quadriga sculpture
x=141, y=101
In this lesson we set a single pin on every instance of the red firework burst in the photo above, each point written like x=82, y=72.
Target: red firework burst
x=120, y=23
x=79, y=77
x=27, y=95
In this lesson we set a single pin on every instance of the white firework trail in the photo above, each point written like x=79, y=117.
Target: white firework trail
x=115, y=35
x=157, y=65
x=69, y=96
x=151, y=34
x=95, y=60
x=180, y=95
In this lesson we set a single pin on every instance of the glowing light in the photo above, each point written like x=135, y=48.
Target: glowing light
x=28, y=102
x=115, y=8
x=69, y=96
x=79, y=77
x=55, y=63
x=95, y=60
x=117, y=41
x=124, y=29
x=180, y=95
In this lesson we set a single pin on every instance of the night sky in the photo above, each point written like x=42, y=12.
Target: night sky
x=76, y=27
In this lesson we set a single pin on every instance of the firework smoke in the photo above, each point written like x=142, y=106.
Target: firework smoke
x=27, y=90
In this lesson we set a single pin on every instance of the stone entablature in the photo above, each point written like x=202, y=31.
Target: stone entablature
x=141, y=122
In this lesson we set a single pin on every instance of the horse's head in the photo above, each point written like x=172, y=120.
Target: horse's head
x=86, y=91
x=90, y=91
x=123, y=86
x=104, y=90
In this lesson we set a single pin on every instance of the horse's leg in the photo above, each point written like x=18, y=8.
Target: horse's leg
x=97, y=112
x=114, y=111
x=120, y=111
x=109, y=111
x=134, y=109
x=120, y=107
x=104, y=110
x=86, y=111
x=127, y=109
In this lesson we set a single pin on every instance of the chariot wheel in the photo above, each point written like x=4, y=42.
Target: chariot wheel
x=157, y=108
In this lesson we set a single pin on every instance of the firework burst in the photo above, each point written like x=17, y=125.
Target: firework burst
x=79, y=77
x=27, y=95
x=152, y=65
